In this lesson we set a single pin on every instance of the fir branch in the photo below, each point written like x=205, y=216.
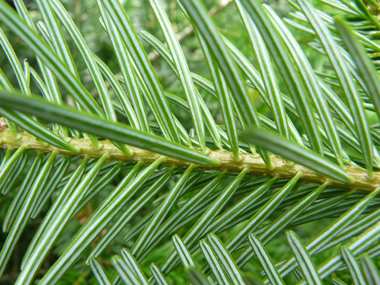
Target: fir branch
x=255, y=164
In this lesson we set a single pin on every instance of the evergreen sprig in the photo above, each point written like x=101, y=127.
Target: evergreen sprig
x=211, y=198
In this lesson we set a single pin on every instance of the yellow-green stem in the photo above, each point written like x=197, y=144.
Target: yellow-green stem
x=255, y=164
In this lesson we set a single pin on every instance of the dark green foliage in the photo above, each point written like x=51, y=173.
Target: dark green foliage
x=122, y=159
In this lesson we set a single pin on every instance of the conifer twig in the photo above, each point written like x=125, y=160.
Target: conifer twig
x=255, y=164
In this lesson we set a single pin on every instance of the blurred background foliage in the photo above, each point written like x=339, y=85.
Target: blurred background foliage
x=86, y=16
